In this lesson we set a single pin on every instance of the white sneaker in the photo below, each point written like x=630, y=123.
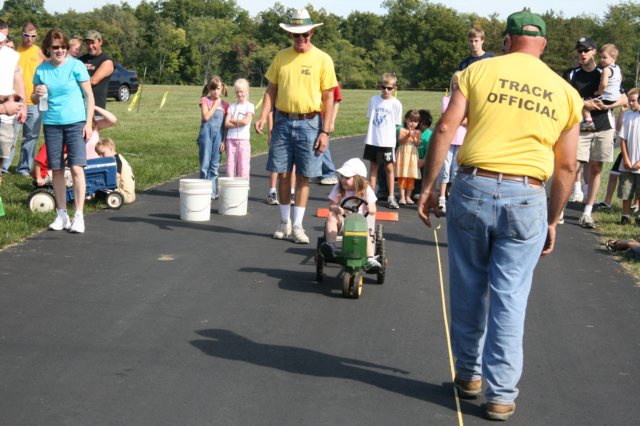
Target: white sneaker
x=298, y=236
x=283, y=231
x=61, y=222
x=272, y=199
x=442, y=206
x=576, y=196
x=329, y=180
x=77, y=225
x=586, y=221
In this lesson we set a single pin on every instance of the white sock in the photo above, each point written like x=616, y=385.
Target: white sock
x=79, y=214
x=298, y=214
x=61, y=212
x=442, y=200
x=272, y=190
x=285, y=211
x=588, y=208
x=577, y=187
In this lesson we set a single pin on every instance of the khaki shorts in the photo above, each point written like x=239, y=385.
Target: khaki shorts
x=6, y=139
x=596, y=146
x=628, y=186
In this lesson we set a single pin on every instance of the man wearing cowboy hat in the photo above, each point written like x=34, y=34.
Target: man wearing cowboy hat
x=301, y=81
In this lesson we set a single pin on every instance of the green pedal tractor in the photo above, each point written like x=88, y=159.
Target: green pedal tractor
x=353, y=254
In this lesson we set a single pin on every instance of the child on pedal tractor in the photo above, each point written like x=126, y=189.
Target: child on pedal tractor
x=351, y=182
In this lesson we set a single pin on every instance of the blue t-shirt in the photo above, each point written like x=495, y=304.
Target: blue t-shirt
x=66, y=101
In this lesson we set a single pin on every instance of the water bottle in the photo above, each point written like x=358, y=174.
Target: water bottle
x=44, y=102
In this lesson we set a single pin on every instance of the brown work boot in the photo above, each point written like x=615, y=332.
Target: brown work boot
x=499, y=411
x=468, y=388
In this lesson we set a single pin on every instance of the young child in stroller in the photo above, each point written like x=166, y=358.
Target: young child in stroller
x=352, y=181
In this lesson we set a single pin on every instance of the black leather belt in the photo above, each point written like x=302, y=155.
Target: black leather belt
x=488, y=173
x=292, y=116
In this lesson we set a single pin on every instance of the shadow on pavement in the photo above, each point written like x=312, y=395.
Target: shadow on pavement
x=229, y=345
x=171, y=221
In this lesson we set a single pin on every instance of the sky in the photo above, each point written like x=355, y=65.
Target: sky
x=344, y=8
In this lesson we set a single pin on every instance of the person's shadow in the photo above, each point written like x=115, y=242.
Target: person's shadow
x=229, y=345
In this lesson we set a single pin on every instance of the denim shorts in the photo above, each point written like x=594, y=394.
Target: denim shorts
x=57, y=136
x=292, y=143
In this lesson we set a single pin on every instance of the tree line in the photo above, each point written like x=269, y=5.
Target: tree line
x=186, y=41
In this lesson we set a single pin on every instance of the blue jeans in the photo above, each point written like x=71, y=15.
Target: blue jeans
x=30, y=133
x=328, y=168
x=496, y=231
x=292, y=143
x=209, y=142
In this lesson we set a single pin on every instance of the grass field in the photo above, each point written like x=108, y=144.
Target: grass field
x=160, y=145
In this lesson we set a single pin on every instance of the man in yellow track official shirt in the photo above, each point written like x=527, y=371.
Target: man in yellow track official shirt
x=522, y=126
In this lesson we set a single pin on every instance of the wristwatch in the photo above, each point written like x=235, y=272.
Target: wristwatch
x=325, y=132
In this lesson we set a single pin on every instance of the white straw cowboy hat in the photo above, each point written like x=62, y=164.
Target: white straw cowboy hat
x=300, y=22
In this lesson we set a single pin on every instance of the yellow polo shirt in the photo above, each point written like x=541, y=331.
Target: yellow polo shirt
x=301, y=79
x=518, y=107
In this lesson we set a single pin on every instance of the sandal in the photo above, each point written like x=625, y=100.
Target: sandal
x=402, y=202
x=612, y=245
x=410, y=202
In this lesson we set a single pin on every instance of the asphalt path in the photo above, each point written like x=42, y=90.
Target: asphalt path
x=149, y=320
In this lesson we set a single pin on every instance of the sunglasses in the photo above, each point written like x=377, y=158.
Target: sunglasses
x=25, y=35
x=583, y=50
x=303, y=35
x=389, y=88
x=57, y=47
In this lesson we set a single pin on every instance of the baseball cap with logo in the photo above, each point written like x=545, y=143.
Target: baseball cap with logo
x=93, y=35
x=516, y=22
x=585, y=43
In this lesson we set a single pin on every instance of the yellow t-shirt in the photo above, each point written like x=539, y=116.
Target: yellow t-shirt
x=517, y=109
x=301, y=79
x=29, y=61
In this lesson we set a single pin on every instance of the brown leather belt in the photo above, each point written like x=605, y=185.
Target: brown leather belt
x=488, y=173
x=292, y=116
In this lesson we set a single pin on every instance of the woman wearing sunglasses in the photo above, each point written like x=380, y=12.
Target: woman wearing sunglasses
x=60, y=84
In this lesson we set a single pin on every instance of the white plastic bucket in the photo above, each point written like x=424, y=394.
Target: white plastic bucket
x=195, y=200
x=234, y=194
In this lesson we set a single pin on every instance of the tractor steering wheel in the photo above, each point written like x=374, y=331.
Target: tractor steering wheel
x=355, y=206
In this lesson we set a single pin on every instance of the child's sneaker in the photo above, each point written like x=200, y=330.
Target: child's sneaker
x=587, y=126
x=77, y=225
x=283, y=231
x=298, y=236
x=372, y=266
x=603, y=206
x=392, y=203
x=61, y=222
x=272, y=199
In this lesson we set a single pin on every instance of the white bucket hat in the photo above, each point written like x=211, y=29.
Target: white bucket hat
x=353, y=167
x=300, y=22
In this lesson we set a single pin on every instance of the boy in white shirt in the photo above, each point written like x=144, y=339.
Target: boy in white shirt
x=385, y=114
x=630, y=167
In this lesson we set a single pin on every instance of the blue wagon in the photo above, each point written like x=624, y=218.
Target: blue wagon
x=101, y=180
